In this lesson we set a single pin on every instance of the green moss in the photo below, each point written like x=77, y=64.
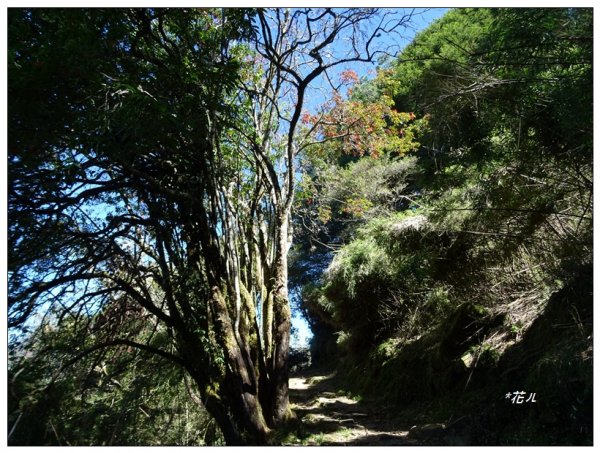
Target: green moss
x=386, y=350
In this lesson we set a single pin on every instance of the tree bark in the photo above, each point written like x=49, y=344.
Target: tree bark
x=281, y=327
x=240, y=385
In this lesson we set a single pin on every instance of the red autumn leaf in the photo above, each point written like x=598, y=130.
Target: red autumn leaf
x=348, y=77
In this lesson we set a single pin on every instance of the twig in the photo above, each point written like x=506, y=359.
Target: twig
x=12, y=430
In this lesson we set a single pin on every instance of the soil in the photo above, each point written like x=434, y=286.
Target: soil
x=328, y=416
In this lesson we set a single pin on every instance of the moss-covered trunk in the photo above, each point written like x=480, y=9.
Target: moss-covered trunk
x=239, y=390
x=248, y=394
x=281, y=327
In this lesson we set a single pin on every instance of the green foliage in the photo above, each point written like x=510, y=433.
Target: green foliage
x=114, y=397
x=497, y=216
x=91, y=89
x=334, y=201
x=436, y=53
x=113, y=113
x=455, y=189
x=380, y=283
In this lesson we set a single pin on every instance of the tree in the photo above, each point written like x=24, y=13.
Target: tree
x=123, y=397
x=297, y=47
x=500, y=214
x=103, y=197
x=153, y=191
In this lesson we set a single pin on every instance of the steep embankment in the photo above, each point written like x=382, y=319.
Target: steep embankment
x=461, y=268
x=453, y=381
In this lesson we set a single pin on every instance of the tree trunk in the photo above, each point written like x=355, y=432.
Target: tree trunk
x=239, y=424
x=217, y=410
x=280, y=372
x=239, y=389
x=250, y=397
x=281, y=327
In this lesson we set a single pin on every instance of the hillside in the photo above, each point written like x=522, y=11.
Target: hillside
x=185, y=184
x=462, y=269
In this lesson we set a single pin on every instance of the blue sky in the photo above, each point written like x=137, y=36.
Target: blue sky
x=422, y=17
x=421, y=20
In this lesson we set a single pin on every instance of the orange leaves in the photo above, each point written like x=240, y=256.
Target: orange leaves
x=362, y=128
x=307, y=118
x=356, y=207
x=348, y=77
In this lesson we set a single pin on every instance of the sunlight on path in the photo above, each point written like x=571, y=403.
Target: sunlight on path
x=333, y=418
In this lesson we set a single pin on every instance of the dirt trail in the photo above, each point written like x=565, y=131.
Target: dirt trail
x=329, y=417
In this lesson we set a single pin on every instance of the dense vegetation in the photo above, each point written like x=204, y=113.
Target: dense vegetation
x=162, y=163
x=462, y=268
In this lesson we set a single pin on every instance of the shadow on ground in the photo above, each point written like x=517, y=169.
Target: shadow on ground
x=327, y=416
